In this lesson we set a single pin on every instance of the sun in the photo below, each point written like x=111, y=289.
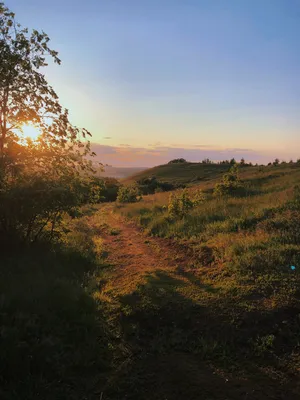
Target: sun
x=30, y=131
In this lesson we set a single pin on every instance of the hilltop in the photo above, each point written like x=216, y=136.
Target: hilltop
x=181, y=173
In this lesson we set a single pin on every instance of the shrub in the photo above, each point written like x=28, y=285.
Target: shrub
x=230, y=183
x=128, y=194
x=198, y=197
x=180, y=204
x=32, y=205
x=110, y=190
x=152, y=185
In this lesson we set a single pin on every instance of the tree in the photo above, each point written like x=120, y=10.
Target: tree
x=177, y=161
x=207, y=161
x=276, y=161
x=26, y=97
x=48, y=171
x=242, y=162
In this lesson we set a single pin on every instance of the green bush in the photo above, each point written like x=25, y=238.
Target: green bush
x=180, y=204
x=128, y=194
x=32, y=206
x=230, y=184
x=110, y=189
x=151, y=185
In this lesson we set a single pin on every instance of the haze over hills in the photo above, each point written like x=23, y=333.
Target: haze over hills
x=119, y=172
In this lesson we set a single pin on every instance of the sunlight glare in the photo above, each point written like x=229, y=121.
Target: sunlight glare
x=30, y=131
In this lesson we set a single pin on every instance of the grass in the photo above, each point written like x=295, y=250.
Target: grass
x=240, y=300
x=188, y=336
x=222, y=323
x=181, y=173
x=54, y=340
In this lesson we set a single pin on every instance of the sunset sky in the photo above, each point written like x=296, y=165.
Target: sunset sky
x=158, y=79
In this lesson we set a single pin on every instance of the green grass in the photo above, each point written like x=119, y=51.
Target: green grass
x=223, y=324
x=254, y=235
x=231, y=308
x=181, y=173
x=190, y=336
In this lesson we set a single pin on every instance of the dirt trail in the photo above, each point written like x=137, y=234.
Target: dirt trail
x=134, y=254
x=175, y=329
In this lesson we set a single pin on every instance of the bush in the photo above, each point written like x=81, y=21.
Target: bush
x=31, y=206
x=128, y=194
x=180, y=204
x=230, y=184
x=110, y=189
x=152, y=185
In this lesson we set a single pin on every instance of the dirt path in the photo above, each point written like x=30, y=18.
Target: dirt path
x=176, y=329
x=134, y=254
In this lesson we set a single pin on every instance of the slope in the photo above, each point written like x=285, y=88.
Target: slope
x=181, y=173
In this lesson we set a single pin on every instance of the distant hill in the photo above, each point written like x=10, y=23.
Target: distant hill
x=119, y=172
x=181, y=173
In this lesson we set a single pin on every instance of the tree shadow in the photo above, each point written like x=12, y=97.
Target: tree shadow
x=54, y=341
x=183, y=348
x=197, y=282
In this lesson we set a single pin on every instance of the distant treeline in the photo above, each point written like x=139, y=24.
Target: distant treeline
x=242, y=162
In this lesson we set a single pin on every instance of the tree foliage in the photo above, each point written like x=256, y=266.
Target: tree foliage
x=177, y=161
x=38, y=179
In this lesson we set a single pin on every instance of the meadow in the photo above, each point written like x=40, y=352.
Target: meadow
x=133, y=303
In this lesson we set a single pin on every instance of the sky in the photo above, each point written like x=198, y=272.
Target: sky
x=159, y=79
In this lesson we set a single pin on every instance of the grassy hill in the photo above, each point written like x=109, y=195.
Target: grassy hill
x=241, y=255
x=201, y=305
x=119, y=172
x=181, y=173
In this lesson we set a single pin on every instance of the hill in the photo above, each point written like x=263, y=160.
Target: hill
x=134, y=301
x=119, y=172
x=181, y=173
x=231, y=298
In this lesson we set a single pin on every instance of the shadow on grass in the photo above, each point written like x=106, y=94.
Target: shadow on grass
x=197, y=282
x=182, y=348
x=54, y=343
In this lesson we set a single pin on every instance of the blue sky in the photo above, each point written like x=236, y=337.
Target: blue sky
x=165, y=77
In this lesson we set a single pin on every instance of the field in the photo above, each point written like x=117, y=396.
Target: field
x=134, y=304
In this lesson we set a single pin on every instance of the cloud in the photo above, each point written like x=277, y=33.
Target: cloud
x=107, y=137
x=237, y=150
x=126, y=155
x=203, y=145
